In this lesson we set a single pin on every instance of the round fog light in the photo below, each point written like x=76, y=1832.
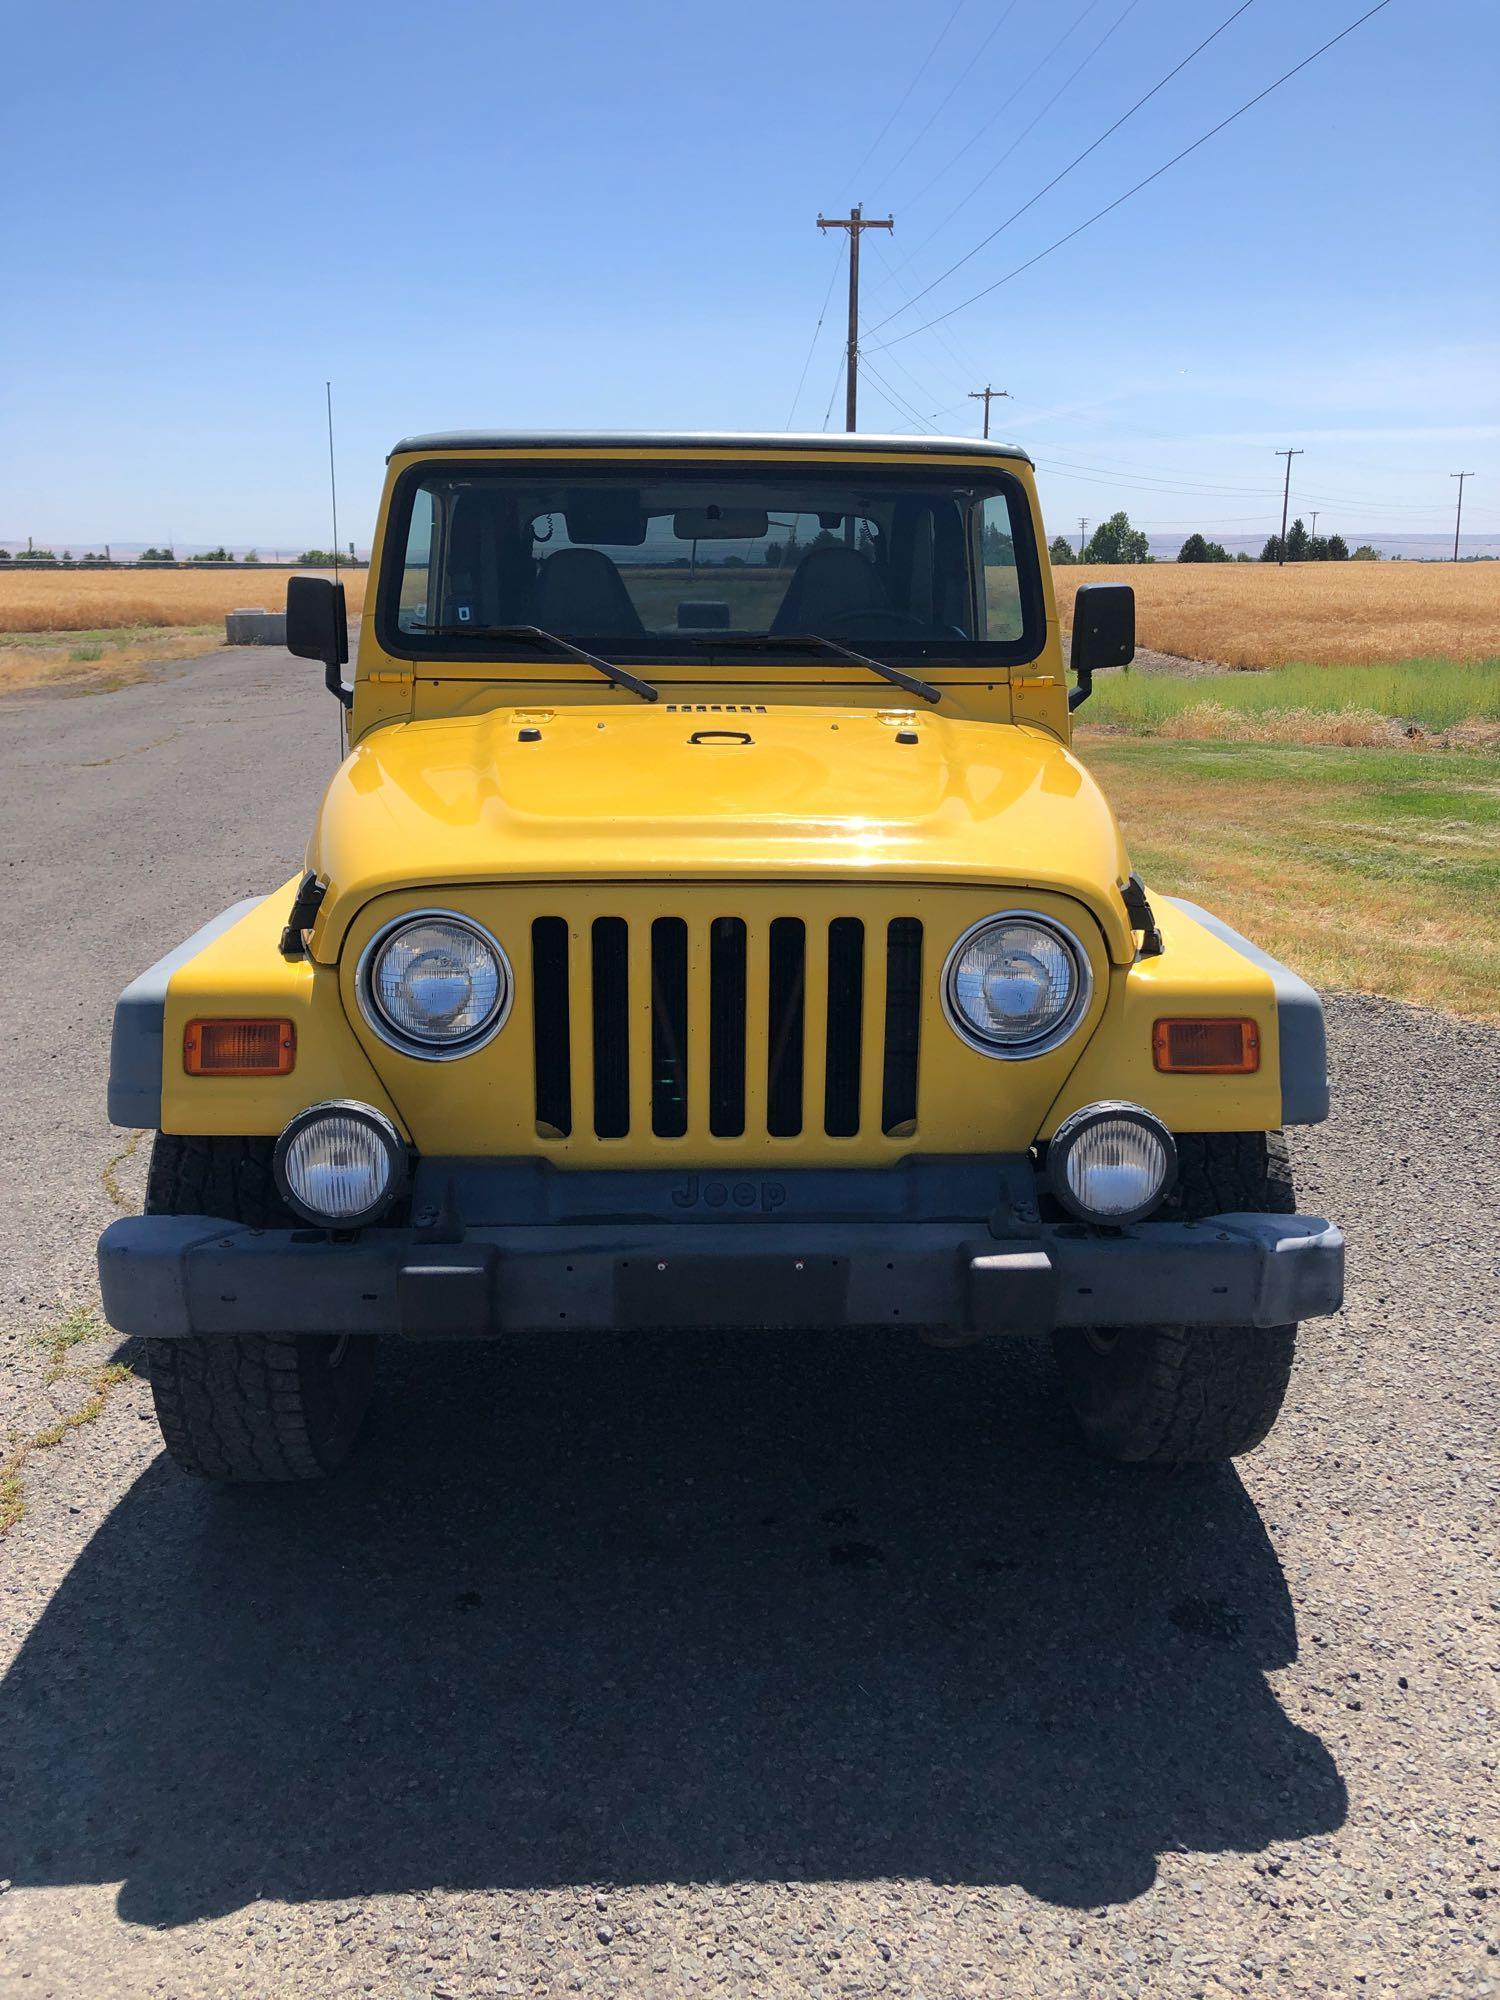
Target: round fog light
x=1111, y=1163
x=340, y=1164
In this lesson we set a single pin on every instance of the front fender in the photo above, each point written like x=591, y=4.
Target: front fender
x=1205, y=968
x=233, y=965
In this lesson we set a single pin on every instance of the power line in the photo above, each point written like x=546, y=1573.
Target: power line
x=1005, y=104
x=822, y=310
x=1025, y=133
x=1078, y=160
x=1120, y=200
x=875, y=143
x=966, y=71
x=896, y=400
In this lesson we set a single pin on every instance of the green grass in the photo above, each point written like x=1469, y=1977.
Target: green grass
x=1372, y=870
x=1436, y=694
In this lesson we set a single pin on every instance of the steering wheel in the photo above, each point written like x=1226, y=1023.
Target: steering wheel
x=883, y=618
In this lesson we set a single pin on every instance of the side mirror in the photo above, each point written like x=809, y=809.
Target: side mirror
x=317, y=628
x=1103, y=633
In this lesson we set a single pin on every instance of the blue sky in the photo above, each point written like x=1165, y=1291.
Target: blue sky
x=603, y=215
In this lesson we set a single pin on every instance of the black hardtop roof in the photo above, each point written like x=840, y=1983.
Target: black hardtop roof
x=746, y=441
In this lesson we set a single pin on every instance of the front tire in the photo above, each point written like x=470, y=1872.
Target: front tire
x=1181, y=1395
x=257, y=1406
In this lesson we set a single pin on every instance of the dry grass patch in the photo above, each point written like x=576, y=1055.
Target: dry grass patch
x=97, y=662
x=80, y=600
x=1377, y=871
x=1256, y=615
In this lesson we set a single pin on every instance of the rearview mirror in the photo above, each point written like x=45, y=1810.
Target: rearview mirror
x=317, y=628
x=1103, y=633
x=719, y=524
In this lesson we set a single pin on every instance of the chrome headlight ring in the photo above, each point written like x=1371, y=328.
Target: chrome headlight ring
x=409, y=1044
x=1046, y=1039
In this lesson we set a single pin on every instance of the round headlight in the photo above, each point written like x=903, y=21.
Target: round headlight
x=1016, y=984
x=435, y=985
x=340, y=1164
x=1111, y=1163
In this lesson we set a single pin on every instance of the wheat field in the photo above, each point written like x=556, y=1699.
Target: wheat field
x=79, y=600
x=1326, y=614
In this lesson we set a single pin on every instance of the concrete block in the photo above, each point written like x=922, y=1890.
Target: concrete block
x=254, y=627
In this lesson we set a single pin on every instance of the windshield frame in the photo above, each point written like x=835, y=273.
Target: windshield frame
x=697, y=650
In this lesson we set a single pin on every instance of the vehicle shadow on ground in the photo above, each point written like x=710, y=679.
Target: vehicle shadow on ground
x=666, y=1610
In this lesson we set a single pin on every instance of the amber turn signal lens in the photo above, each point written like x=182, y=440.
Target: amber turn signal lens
x=239, y=1048
x=1207, y=1047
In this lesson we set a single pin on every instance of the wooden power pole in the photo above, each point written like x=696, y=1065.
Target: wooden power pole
x=987, y=395
x=856, y=224
x=1286, y=495
x=1459, y=517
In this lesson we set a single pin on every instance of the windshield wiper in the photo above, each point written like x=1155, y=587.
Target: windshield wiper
x=563, y=647
x=815, y=641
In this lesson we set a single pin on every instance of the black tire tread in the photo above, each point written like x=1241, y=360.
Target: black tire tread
x=236, y=1409
x=1200, y=1393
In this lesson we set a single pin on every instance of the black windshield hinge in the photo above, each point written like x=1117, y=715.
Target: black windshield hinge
x=305, y=906
x=1139, y=911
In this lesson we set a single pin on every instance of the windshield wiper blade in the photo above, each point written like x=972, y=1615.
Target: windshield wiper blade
x=563, y=647
x=816, y=642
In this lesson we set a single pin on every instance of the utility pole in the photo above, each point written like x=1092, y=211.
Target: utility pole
x=1460, y=477
x=1286, y=495
x=1083, y=528
x=1315, y=523
x=987, y=395
x=856, y=225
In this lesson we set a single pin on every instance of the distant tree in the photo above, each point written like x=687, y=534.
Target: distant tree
x=999, y=549
x=156, y=555
x=1196, y=549
x=1061, y=552
x=1296, y=541
x=1338, y=549
x=772, y=556
x=1317, y=548
x=825, y=538
x=40, y=555
x=1364, y=553
x=1272, y=550
x=318, y=559
x=250, y=556
x=217, y=555
x=1115, y=541
x=4, y=555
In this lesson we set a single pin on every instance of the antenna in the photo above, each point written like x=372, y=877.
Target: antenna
x=333, y=490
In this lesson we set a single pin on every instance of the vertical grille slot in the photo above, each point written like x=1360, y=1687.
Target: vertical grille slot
x=549, y=1011
x=788, y=968
x=903, y=1025
x=726, y=1027
x=669, y=1028
x=611, y=983
x=846, y=999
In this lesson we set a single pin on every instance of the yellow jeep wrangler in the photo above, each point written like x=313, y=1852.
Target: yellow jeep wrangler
x=710, y=927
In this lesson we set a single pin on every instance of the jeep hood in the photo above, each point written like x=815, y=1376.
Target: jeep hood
x=601, y=792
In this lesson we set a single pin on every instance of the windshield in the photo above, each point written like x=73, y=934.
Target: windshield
x=917, y=564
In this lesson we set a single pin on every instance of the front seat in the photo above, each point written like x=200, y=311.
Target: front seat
x=580, y=591
x=828, y=584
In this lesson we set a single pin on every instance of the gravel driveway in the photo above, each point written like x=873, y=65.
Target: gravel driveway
x=756, y=1667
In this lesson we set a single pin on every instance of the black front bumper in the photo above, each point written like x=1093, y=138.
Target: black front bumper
x=621, y=1252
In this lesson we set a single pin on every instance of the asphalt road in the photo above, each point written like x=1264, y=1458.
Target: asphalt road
x=748, y=1667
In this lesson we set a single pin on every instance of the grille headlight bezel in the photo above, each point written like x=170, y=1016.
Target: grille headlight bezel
x=290, y=1171
x=408, y=1041
x=1044, y=1040
x=1078, y=1126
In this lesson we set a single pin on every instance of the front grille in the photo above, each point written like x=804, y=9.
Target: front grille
x=712, y=1026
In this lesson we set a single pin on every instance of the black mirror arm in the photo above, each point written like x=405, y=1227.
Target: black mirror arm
x=333, y=680
x=1077, y=696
